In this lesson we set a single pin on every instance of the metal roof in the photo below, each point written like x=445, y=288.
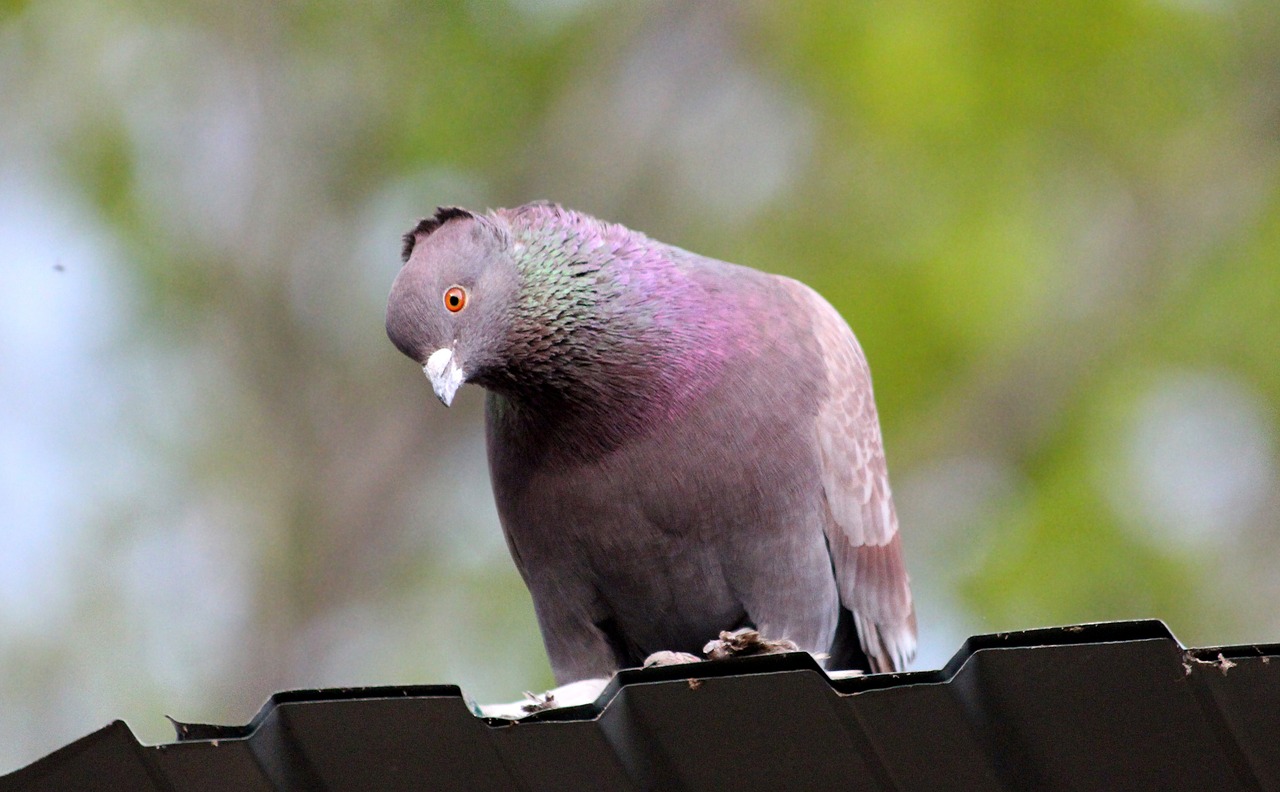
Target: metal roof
x=1114, y=706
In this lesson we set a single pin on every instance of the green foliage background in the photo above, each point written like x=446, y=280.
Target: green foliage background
x=1054, y=227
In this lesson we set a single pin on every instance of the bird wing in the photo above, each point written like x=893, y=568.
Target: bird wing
x=862, y=526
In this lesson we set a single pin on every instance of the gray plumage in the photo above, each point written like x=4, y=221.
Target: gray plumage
x=678, y=445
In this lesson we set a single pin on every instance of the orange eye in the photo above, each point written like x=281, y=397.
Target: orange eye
x=455, y=299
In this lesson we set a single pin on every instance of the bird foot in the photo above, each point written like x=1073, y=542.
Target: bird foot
x=669, y=658
x=736, y=643
x=744, y=643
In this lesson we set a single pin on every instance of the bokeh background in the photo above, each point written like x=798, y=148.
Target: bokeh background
x=1055, y=228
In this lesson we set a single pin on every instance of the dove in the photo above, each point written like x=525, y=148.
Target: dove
x=678, y=446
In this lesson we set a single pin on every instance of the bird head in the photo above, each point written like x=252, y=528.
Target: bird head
x=450, y=306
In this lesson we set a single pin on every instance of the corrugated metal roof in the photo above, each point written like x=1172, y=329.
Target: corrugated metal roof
x=1117, y=706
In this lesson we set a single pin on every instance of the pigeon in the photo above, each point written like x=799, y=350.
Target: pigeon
x=678, y=446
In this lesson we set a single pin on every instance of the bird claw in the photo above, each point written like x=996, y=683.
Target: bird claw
x=669, y=658
x=736, y=643
x=744, y=643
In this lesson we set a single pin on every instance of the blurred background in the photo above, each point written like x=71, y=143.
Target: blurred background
x=1055, y=228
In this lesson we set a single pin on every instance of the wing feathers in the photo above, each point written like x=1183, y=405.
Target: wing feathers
x=862, y=529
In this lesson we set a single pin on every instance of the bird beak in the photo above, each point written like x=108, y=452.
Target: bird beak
x=445, y=374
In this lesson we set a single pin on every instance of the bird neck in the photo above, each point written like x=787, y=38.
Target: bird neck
x=612, y=338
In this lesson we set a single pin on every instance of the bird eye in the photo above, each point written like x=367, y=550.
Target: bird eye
x=455, y=299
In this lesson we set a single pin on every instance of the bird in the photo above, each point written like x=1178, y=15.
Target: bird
x=677, y=445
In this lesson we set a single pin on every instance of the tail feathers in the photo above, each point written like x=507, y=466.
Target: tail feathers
x=889, y=647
